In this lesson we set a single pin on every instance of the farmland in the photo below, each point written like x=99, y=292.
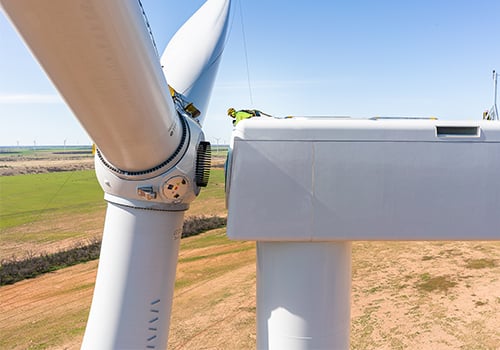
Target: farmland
x=405, y=295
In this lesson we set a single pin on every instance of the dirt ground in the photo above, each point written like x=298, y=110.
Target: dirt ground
x=45, y=163
x=10, y=167
x=426, y=295
x=405, y=295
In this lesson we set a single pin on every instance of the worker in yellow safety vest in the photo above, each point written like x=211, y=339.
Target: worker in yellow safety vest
x=240, y=115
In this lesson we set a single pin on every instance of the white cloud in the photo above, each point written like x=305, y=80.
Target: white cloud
x=30, y=98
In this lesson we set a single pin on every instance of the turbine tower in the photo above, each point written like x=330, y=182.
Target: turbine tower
x=327, y=182
x=151, y=156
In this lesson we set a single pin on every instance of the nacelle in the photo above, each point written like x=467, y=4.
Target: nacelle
x=355, y=179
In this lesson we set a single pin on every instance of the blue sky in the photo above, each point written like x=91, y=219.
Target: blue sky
x=356, y=58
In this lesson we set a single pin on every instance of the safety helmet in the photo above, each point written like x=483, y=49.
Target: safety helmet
x=231, y=111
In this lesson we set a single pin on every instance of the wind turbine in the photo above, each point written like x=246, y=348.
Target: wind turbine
x=152, y=158
x=217, y=140
x=494, y=108
x=331, y=181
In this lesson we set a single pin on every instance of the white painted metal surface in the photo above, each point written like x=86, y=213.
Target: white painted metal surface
x=100, y=57
x=494, y=109
x=304, y=188
x=191, y=59
x=151, y=190
x=301, y=302
x=364, y=180
x=135, y=281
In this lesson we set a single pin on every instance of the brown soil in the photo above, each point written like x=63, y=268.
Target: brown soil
x=425, y=295
x=38, y=166
x=55, y=163
x=395, y=304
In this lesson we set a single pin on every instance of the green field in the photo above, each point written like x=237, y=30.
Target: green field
x=31, y=198
x=38, y=209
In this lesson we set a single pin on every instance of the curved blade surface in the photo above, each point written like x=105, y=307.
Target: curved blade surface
x=191, y=60
x=100, y=57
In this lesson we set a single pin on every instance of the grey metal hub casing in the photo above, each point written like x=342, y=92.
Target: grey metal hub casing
x=170, y=187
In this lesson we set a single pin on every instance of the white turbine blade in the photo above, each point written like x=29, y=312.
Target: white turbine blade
x=99, y=55
x=191, y=59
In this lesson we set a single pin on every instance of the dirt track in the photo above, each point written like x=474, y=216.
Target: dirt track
x=38, y=166
x=10, y=166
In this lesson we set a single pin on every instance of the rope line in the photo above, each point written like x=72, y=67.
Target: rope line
x=246, y=54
